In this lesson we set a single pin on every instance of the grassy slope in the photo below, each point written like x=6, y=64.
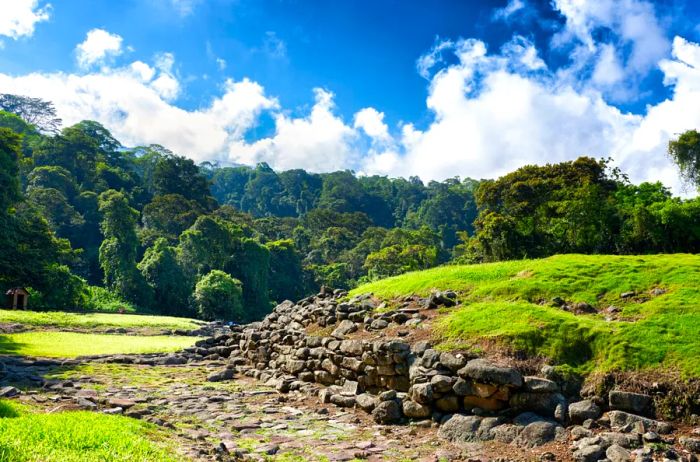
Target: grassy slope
x=501, y=302
x=89, y=320
x=72, y=344
x=76, y=437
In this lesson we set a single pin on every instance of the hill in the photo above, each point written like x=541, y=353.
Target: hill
x=583, y=312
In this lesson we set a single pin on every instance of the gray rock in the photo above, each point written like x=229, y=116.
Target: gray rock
x=447, y=404
x=591, y=453
x=344, y=328
x=226, y=374
x=379, y=324
x=583, y=410
x=9, y=392
x=623, y=420
x=540, y=385
x=542, y=403
x=452, y=361
x=422, y=393
x=387, y=412
x=617, y=453
x=441, y=383
x=539, y=433
x=636, y=403
x=366, y=401
x=414, y=410
x=691, y=444
x=343, y=401
x=460, y=428
x=483, y=371
x=462, y=387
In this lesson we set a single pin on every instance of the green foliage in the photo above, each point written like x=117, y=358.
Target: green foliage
x=179, y=175
x=9, y=169
x=101, y=299
x=78, y=436
x=506, y=303
x=219, y=296
x=118, y=250
x=170, y=286
x=403, y=250
x=35, y=111
x=685, y=152
x=286, y=278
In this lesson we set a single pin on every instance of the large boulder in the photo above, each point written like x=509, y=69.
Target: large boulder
x=545, y=404
x=459, y=428
x=539, y=433
x=414, y=410
x=387, y=412
x=483, y=371
x=635, y=403
x=583, y=410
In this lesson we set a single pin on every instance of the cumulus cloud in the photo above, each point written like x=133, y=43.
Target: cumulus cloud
x=509, y=10
x=130, y=102
x=98, y=46
x=19, y=17
x=372, y=123
x=491, y=117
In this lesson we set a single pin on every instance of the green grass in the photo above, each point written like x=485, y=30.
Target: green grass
x=94, y=320
x=71, y=344
x=78, y=437
x=506, y=304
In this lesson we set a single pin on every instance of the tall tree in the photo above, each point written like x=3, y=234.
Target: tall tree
x=40, y=113
x=685, y=152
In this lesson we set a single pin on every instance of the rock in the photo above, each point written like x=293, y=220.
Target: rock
x=542, y=403
x=422, y=393
x=590, y=453
x=452, y=361
x=691, y=444
x=583, y=410
x=120, y=402
x=441, y=383
x=623, y=420
x=635, y=403
x=114, y=411
x=343, y=401
x=460, y=428
x=85, y=404
x=483, y=371
x=540, y=385
x=350, y=387
x=344, y=328
x=366, y=401
x=447, y=404
x=378, y=324
x=414, y=410
x=387, y=395
x=9, y=392
x=387, y=412
x=539, y=433
x=617, y=453
x=226, y=374
x=462, y=387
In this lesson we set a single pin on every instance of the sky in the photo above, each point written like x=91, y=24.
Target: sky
x=435, y=89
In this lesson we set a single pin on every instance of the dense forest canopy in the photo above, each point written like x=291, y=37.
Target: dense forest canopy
x=91, y=224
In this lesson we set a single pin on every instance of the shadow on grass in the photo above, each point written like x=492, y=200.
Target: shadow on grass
x=25, y=372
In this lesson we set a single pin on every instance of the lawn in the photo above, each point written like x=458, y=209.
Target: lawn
x=95, y=320
x=71, y=344
x=77, y=437
x=508, y=303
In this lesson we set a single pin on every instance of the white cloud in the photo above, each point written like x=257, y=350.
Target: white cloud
x=18, y=17
x=372, y=123
x=319, y=142
x=129, y=101
x=509, y=10
x=184, y=7
x=99, y=45
x=635, y=41
x=221, y=63
x=491, y=117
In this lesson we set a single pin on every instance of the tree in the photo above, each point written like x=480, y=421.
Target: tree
x=40, y=113
x=171, y=288
x=170, y=215
x=219, y=296
x=685, y=152
x=286, y=273
x=118, y=250
x=10, y=143
x=179, y=175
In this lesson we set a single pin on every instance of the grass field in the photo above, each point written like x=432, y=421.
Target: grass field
x=71, y=344
x=77, y=437
x=62, y=319
x=507, y=303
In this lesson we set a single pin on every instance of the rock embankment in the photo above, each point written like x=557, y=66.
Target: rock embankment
x=399, y=381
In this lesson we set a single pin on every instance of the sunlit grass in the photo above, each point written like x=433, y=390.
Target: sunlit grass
x=80, y=436
x=71, y=344
x=508, y=303
x=92, y=320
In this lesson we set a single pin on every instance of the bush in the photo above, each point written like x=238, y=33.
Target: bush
x=101, y=299
x=219, y=296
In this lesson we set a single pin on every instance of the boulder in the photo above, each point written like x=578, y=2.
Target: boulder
x=583, y=410
x=344, y=328
x=366, y=401
x=539, y=433
x=540, y=385
x=483, y=371
x=422, y=393
x=635, y=403
x=387, y=412
x=690, y=444
x=460, y=428
x=414, y=410
x=542, y=403
x=626, y=422
x=617, y=453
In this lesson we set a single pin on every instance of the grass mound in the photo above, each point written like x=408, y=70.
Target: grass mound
x=77, y=437
x=507, y=304
x=63, y=319
x=72, y=344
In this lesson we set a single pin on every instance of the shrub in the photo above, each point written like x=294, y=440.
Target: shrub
x=219, y=296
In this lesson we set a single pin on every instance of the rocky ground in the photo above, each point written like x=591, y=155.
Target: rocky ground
x=329, y=379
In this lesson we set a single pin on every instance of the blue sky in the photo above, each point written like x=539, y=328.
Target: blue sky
x=435, y=89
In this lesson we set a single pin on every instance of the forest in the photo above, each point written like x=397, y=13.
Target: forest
x=90, y=224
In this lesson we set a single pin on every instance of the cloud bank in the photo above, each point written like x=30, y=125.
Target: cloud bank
x=491, y=111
